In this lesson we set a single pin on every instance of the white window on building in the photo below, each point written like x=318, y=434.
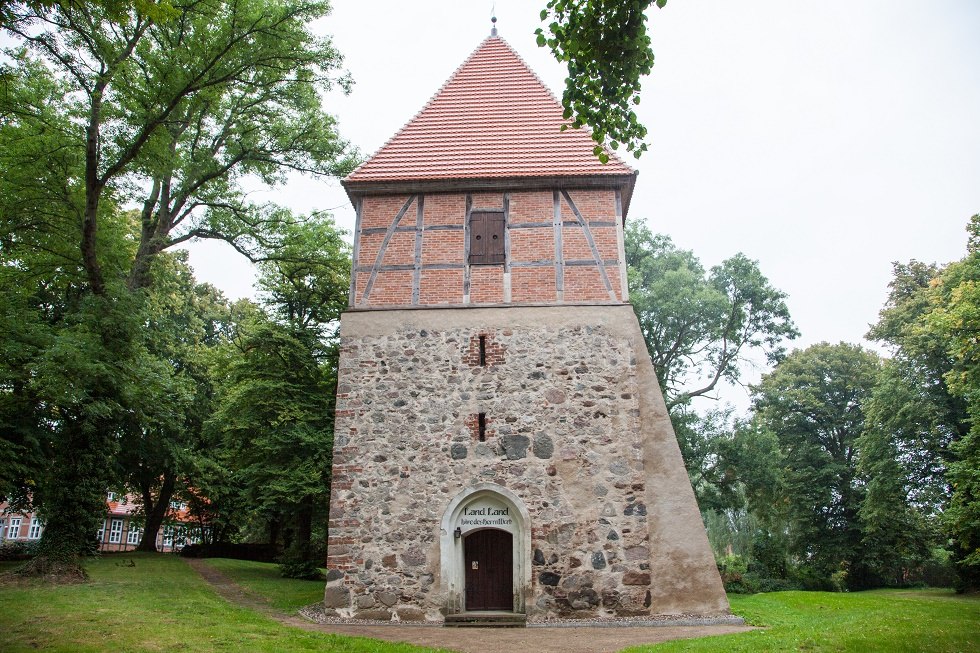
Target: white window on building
x=35, y=532
x=180, y=537
x=101, y=535
x=168, y=536
x=133, y=537
x=115, y=532
x=13, y=531
x=3, y=522
x=111, y=496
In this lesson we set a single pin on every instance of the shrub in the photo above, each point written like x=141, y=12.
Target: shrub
x=776, y=585
x=252, y=552
x=301, y=569
x=939, y=570
x=15, y=551
x=733, y=575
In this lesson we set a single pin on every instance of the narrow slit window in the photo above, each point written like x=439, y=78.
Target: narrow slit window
x=481, y=422
x=483, y=351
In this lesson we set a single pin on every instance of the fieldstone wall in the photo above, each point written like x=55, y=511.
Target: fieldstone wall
x=562, y=394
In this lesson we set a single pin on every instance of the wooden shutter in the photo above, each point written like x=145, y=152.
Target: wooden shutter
x=486, y=237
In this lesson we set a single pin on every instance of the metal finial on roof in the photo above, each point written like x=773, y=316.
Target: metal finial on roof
x=493, y=20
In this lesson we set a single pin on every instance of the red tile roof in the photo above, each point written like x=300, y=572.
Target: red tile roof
x=493, y=119
x=129, y=505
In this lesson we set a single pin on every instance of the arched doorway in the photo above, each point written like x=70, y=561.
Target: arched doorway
x=489, y=525
x=489, y=567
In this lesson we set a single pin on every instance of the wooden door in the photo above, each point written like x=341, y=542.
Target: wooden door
x=489, y=560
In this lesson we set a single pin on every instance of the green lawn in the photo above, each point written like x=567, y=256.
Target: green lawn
x=891, y=621
x=286, y=594
x=161, y=604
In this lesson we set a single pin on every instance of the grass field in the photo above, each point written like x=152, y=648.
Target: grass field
x=264, y=579
x=892, y=621
x=161, y=604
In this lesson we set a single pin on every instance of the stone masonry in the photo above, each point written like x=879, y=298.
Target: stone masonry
x=570, y=426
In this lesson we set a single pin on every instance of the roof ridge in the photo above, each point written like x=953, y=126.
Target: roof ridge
x=432, y=98
x=612, y=154
x=493, y=93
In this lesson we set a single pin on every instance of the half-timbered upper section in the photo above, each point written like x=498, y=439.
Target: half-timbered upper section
x=483, y=199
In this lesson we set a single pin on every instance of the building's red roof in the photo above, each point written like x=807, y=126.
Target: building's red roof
x=493, y=119
x=128, y=505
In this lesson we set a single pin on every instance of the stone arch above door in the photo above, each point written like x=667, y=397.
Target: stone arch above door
x=484, y=506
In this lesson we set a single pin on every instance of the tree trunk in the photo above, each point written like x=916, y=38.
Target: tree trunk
x=139, y=274
x=156, y=512
x=275, y=527
x=93, y=195
x=304, y=528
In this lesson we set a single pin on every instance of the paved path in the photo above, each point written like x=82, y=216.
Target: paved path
x=473, y=640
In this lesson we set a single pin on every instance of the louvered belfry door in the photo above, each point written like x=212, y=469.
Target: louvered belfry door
x=489, y=570
x=486, y=237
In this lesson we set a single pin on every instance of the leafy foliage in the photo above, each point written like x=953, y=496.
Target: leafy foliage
x=273, y=419
x=607, y=50
x=701, y=326
x=921, y=440
x=183, y=321
x=167, y=106
x=274, y=415
x=705, y=442
x=813, y=403
x=305, y=284
x=955, y=318
x=78, y=466
x=184, y=108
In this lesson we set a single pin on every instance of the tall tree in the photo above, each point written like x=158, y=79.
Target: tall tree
x=705, y=442
x=901, y=503
x=754, y=457
x=71, y=367
x=167, y=107
x=275, y=410
x=701, y=326
x=275, y=416
x=955, y=318
x=917, y=407
x=85, y=379
x=813, y=403
x=305, y=285
x=186, y=106
x=212, y=483
x=917, y=419
x=182, y=321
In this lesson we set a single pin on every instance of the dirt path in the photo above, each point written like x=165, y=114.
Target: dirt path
x=474, y=640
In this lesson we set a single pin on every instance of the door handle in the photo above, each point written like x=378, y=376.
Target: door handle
x=475, y=564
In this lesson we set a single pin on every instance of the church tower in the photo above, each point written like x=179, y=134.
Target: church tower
x=501, y=442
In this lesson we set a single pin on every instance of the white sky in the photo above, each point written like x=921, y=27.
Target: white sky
x=825, y=140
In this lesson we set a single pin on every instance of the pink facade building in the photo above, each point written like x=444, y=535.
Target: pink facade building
x=121, y=530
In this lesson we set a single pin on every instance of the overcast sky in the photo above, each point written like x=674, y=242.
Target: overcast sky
x=825, y=140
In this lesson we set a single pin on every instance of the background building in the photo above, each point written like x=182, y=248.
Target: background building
x=121, y=530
